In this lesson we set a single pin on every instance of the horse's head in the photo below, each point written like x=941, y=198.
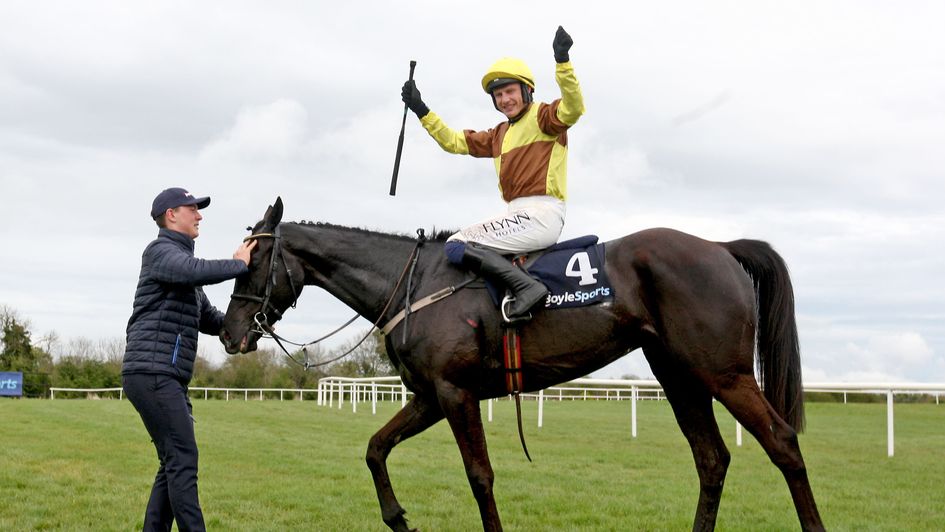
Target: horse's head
x=273, y=284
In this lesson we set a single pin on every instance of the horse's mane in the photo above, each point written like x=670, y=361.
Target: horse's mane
x=435, y=236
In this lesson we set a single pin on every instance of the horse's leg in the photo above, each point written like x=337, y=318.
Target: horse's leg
x=462, y=412
x=692, y=406
x=744, y=400
x=414, y=418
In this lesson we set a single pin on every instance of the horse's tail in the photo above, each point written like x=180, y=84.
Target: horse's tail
x=779, y=357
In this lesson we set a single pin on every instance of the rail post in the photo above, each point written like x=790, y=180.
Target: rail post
x=890, y=431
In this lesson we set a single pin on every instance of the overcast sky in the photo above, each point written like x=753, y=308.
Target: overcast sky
x=817, y=126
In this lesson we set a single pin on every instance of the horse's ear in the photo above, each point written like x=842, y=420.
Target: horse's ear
x=278, y=206
x=273, y=215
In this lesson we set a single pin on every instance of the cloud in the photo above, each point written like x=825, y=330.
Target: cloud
x=834, y=348
x=906, y=350
x=274, y=131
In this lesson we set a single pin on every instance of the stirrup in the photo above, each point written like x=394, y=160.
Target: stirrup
x=507, y=302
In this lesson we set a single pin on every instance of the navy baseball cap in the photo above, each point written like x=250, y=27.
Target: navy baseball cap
x=172, y=198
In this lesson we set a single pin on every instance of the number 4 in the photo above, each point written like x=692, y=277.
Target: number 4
x=584, y=270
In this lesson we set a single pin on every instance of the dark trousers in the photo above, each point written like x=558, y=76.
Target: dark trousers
x=164, y=407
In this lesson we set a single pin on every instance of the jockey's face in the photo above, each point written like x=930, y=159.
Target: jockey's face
x=508, y=98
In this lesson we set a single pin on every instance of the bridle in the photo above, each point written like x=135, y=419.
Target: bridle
x=261, y=318
x=263, y=327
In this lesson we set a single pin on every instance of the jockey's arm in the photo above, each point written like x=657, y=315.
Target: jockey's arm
x=466, y=142
x=571, y=106
x=449, y=139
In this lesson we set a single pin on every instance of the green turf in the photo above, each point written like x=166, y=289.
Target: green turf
x=88, y=465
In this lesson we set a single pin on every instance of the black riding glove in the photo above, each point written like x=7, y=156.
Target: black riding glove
x=411, y=96
x=561, y=45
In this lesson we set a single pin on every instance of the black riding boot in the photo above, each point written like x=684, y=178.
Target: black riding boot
x=528, y=292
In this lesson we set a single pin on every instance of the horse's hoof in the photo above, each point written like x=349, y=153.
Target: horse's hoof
x=399, y=523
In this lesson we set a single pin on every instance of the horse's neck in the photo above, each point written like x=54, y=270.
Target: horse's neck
x=358, y=267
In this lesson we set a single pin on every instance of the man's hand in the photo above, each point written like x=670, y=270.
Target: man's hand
x=411, y=96
x=561, y=45
x=245, y=250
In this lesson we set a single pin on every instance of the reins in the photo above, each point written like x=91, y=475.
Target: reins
x=266, y=330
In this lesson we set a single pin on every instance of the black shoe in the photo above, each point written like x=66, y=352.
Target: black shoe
x=527, y=291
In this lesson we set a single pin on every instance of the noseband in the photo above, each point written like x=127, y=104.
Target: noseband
x=261, y=318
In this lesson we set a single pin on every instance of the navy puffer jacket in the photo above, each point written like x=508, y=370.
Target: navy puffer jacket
x=170, y=306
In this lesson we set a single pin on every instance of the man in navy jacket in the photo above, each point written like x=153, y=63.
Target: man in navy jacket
x=170, y=308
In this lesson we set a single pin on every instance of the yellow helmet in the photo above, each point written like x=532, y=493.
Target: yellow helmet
x=506, y=70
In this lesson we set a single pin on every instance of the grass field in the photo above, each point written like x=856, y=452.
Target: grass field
x=88, y=465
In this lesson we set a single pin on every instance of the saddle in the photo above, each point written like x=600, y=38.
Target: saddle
x=573, y=270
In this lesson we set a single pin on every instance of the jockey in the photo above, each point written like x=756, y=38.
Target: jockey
x=530, y=152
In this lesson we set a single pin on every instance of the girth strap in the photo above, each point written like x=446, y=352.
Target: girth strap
x=512, y=354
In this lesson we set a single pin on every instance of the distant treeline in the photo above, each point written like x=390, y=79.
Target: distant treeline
x=83, y=363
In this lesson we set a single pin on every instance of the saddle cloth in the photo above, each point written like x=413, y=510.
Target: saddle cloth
x=573, y=271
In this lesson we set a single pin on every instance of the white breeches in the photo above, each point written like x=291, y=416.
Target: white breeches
x=530, y=223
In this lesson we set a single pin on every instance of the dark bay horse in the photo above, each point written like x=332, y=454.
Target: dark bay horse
x=695, y=307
